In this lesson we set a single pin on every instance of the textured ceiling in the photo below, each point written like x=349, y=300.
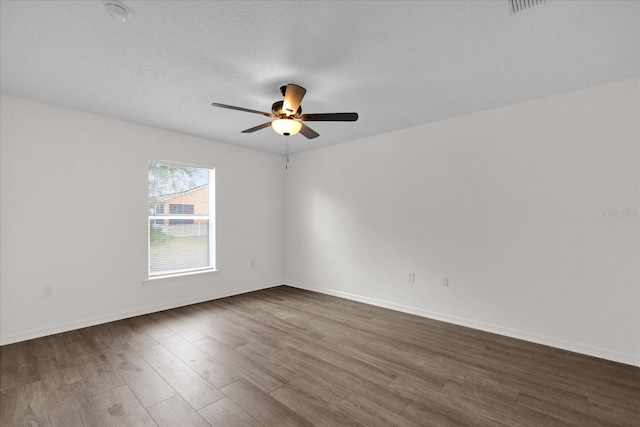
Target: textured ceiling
x=398, y=64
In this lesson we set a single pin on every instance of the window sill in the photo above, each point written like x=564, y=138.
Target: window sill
x=168, y=278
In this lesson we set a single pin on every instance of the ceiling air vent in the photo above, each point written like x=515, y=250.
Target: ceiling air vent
x=519, y=5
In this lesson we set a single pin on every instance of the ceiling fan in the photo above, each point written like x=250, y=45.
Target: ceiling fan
x=288, y=114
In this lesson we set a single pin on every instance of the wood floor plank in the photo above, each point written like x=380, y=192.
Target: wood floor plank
x=528, y=379
x=607, y=380
x=478, y=393
x=206, y=366
x=80, y=345
x=314, y=382
x=119, y=407
x=135, y=336
x=175, y=411
x=52, y=354
x=148, y=386
x=107, y=335
x=323, y=375
x=318, y=389
x=297, y=324
x=355, y=365
x=340, y=380
x=18, y=365
x=174, y=321
x=411, y=386
x=251, y=371
x=420, y=338
x=450, y=410
x=332, y=323
x=372, y=414
x=61, y=377
x=587, y=366
x=621, y=412
x=25, y=405
x=70, y=405
x=99, y=376
x=334, y=329
x=267, y=359
x=226, y=336
x=389, y=360
x=151, y=327
x=191, y=386
x=206, y=319
x=313, y=409
x=242, y=322
x=224, y=412
x=561, y=412
x=262, y=406
x=437, y=413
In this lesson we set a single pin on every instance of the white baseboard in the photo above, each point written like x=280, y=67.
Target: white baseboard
x=65, y=327
x=487, y=327
x=602, y=353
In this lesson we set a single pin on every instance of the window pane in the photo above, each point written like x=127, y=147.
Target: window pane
x=179, y=246
x=179, y=223
x=175, y=209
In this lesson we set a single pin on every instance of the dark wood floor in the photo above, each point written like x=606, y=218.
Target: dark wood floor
x=287, y=357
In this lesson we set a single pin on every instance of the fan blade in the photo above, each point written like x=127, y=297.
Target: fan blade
x=246, y=110
x=253, y=129
x=292, y=98
x=308, y=132
x=330, y=117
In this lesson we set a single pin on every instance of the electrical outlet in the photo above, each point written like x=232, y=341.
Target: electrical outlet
x=47, y=291
x=253, y=264
x=445, y=282
x=412, y=277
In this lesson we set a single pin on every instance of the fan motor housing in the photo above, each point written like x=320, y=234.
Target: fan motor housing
x=277, y=108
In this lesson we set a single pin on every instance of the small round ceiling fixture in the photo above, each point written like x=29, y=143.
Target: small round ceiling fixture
x=117, y=10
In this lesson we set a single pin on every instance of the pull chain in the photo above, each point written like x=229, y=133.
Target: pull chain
x=286, y=166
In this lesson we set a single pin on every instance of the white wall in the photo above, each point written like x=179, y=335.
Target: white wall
x=507, y=203
x=73, y=215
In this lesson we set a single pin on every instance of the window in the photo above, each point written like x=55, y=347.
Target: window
x=181, y=219
x=157, y=207
x=178, y=209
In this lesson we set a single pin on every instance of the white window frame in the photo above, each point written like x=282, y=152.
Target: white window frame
x=167, y=274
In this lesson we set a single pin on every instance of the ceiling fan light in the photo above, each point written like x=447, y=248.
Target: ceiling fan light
x=286, y=126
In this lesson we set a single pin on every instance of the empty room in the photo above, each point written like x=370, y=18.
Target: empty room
x=319, y=213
